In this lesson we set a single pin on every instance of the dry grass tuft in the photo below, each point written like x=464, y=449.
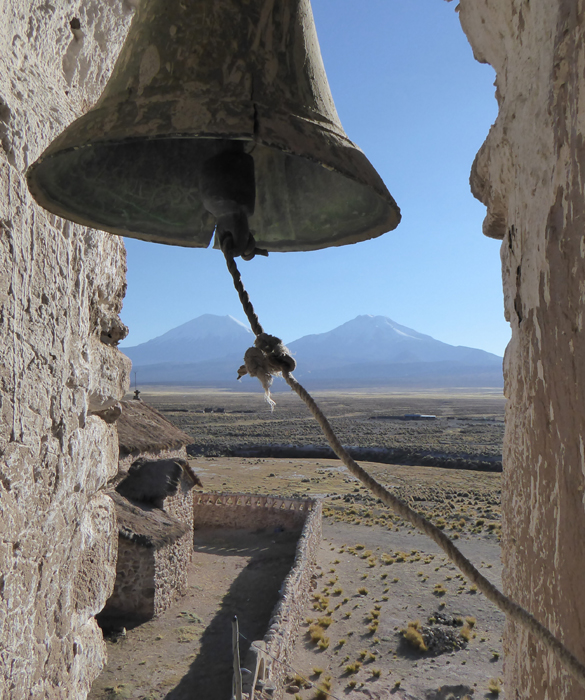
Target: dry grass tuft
x=414, y=637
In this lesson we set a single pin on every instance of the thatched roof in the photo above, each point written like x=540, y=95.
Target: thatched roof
x=142, y=428
x=152, y=480
x=144, y=524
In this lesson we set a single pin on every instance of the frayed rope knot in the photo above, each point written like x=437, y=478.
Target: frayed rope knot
x=267, y=359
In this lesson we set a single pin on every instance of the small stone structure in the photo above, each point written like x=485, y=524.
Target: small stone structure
x=149, y=574
x=267, y=658
x=154, y=505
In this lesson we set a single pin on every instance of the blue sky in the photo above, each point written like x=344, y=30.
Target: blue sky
x=410, y=94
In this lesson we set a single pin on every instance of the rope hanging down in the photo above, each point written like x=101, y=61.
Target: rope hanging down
x=270, y=357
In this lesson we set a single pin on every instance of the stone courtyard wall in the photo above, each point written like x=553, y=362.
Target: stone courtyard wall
x=530, y=174
x=244, y=510
x=267, y=658
x=287, y=616
x=61, y=289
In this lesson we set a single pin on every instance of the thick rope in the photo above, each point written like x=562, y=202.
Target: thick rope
x=277, y=364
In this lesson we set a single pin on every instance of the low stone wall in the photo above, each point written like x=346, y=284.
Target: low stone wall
x=133, y=598
x=268, y=658
x=244, y=510
x=288, y=613
x=172, y=562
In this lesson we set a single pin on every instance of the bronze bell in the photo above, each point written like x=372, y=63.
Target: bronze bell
x=216, y=111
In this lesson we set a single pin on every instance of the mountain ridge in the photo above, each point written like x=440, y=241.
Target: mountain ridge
x=367, y=349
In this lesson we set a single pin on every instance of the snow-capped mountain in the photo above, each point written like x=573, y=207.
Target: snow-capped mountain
x=378, y=339
x=367, y=351
x=207, y=337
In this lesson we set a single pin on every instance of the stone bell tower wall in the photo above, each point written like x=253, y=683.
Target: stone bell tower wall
x=61, y=289
x=530, y=174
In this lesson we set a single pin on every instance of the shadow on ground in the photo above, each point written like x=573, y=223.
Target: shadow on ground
x=252, y=597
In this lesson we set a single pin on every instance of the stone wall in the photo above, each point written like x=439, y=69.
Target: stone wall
x=132, y=601
x=530, y=174
x=61, y=289
x=268, y=660
x=244, y=510
x=172, y=561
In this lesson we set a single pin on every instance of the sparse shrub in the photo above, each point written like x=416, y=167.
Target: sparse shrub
x=347, y=614
x=323, y=689
x=325, y=621
x=317, y=671
x=373, y=626
x=465, y=632
x=473, y=589
x=363, y=653
x=323, y=643
x=353, y=668
x=495, y=686
x=495, y=655
x=352, y=684
x=363, y=591
x=439, y=589
x=316, y=633
x=376, y=672
x=470, y=621
x=298, y=680
x=414, y=637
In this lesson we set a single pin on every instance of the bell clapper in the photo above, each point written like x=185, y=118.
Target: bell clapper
x=228, y=191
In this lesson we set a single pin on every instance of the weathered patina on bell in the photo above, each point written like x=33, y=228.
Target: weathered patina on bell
x=197, y=79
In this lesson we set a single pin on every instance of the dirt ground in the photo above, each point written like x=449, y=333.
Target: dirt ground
x=185, y=653
x=367, y=603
